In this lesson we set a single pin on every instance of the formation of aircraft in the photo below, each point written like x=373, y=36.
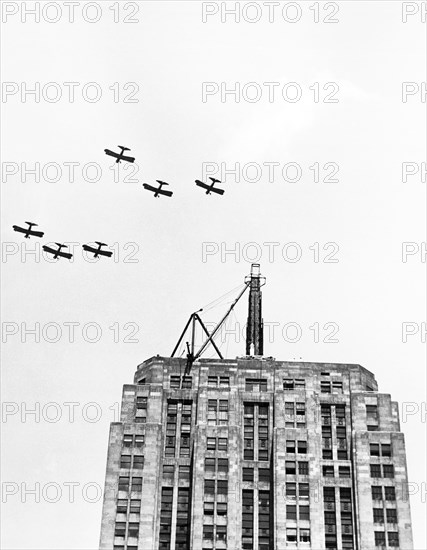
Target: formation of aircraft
x=28, y=230
x=158, y=190
x=58, y=252
x=210, y=188
x=97, y=251
x=119, y=156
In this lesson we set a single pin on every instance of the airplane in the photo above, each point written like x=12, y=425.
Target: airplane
x=97, y=251
x=158, y=190
x=119, y=156
x=58, y=252
x=210, y=188
x=28, y=231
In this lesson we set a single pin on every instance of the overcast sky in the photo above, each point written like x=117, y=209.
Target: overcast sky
x=344, y=108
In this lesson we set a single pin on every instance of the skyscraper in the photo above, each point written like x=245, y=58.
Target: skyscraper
x=255, y=454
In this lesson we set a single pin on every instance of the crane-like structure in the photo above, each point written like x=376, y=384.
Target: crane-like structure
x=254, y=329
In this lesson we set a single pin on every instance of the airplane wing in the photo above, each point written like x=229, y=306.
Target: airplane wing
x=201, y=184
x=166, y=193
x=48, y=249
x=19, y=229
x=37, y=233
x=111, y=153
x=149, y=187
x=218, y=191
x=128, y=159
x=88, y=248
x=105, y=253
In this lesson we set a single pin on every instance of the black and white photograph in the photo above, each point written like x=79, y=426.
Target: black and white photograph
x=213, y=260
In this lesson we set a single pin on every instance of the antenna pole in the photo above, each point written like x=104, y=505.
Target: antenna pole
x=255, y=325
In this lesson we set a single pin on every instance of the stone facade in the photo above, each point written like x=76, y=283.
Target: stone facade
x=255, y=454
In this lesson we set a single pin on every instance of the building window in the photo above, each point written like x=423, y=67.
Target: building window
x=290, y=446
x=136, y=484
x=291, y=512
x=303, y=468
x=304, y=535
x=290, y=384
x=290, y=468
x=291, y=491
x=208, y=508
x=122, y=506
x=127, y=440
x=328, y=471
x=125, y=461
x=388, y=470
x=120, y=529
x=208, y=533
x=213, y=381
x=291, y=534
x=124, y=483
x=302, y=447
x=391, y=515
x=379, y=538
x=223, y=465
x=325, y=387
x=133, y=530
x=209, y=487
x=374, y=449
x=377, y=493
x=264, y=475
x=344, y=471
x=304, y=512
x=390, y=493
x=378, y=515
x=135, y=506
x=221, y=532
x=138, y=462
x=337, y=386
x=210, y=465
x=175, y=382
x=184, y=472
x=139, y=440
x=222, y=487
x=221, y=509
x=303, y=490
x=375, y=470
x=168, y=471
x=385, y=449
x=211, y=443
x=393, y=538
x=222, y=444
x=256, y=384
x=224, y=381
x=248, y=474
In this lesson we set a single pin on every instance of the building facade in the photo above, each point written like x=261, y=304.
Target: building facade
x=255, y=454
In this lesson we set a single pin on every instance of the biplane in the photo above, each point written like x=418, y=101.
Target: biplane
x=57, y=253
x=210, y=188
x=97, y=251
x=119, y=156
x=27, y=231
x=158, y=190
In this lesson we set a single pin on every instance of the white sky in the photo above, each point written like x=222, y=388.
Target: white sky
x=369, y=293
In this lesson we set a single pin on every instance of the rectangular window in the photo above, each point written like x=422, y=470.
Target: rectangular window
x=133, y=530
x=344, y=471
x=303, y=468
x=223, y=465
x=120, y=529
x=377, y=493
x=136, y=484
x=290, y=446
x=391, y=515
x=125, y=461
x=302, y=447
x=139, y=440
x=135, y=506
x=390, y=493
x=291, y=512
x=138, y=462
x=222, y=487
x=209, y=486
x=212, y=381
x=379, y=538
x=211, y=443
x=375, y=470
x=328, y=471
x=224, y=381
x=374, y=449
x=175, y=382
x=184, y=472
x=303, y=490
x=208, y=508
x=264, y=475
x=325, y=387
x=291, y=534
x=290, y=468
x=304, y=512
x=221, y=532
x=256, y=384
x=248, y=474
x=210, y=465
x=122, y=506
x=393, y=539
x=304, y=535
x=221, y=509
x=208, y=533
x=124, y=483
x=388, y=470
x=385, y=449
x=291, y=491
x=127, y=440
x=222, y=444
x=337, y=386
x=378, y=515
